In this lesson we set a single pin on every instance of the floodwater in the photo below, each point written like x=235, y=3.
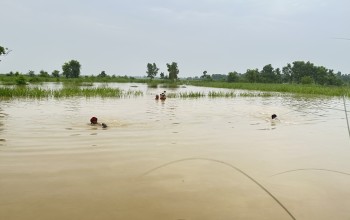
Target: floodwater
x=181, y=159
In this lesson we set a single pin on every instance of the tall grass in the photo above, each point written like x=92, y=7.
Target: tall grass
x=27, y=92
x=23, y=91
x=283, y=88
x=186, y=95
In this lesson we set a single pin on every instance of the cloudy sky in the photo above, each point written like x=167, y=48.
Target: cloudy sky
x=219, y=36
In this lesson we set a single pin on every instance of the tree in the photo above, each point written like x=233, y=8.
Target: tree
x=252, y=75
x=71, y=69
x=162, y=76
x=55, y=73
x=152, y=70
x=102, y=74
x=287, y=74
x=267, y=74
x=31, y=73
x=173, y=70
x=43, y=73
x=232, y=77
x=4, y=51
x=205, y=76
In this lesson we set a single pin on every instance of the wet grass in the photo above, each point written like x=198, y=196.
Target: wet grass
x=186, y=95
x=221, y=94
x=28, y=92
x=282, y=88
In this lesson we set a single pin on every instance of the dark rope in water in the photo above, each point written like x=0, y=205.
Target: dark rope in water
x=229, y=165
x=311, y=169
x=346, y=114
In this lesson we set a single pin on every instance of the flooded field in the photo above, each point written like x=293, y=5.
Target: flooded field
x=181, y=159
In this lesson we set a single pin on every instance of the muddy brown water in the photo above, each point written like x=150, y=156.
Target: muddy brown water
x=182, y=159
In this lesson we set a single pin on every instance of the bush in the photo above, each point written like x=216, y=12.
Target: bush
x=306, y=80
x=20, y=81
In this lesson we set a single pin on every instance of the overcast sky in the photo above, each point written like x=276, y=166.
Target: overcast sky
x=219, y=36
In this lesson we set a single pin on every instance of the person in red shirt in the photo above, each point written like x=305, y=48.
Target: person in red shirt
x=93, y=121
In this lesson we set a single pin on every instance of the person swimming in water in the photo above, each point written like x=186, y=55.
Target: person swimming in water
x=157, y=97
x=93, y=121
x=274, y=117
x=162, y=96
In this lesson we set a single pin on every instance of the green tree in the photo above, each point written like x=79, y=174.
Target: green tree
x=31, y=73
x=4, y=51
x=152, y=70
x=71, y=69
x=287, y=74
x=102, y=74
x=267, y=74
x=233, y=77
x=278, y=75
x=252, y=76
x=43, y=73
x=162, y=76
x=205, y=76
x=173, y=71
x=55, y=73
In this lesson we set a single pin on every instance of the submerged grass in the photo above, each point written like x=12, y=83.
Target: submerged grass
x=27, y=92
x=186, y=95
x=283, y=88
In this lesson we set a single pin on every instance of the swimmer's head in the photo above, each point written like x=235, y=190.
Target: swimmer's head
x=93, y=120
x=273, y=116
x=104, y=125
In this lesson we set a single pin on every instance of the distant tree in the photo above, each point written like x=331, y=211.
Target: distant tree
x=278, y=75
x=205, y=76
x=173, y=71
x=31, y=73
x=218, y=77
x=55, y=73
x=43, y=73
x=162, y=75
x=71, y=69
x=4, y=51
x=102, y=74
x=152, y=70
x=287, y=74
x=233, y=77
x=267, y=74
x=252, y=76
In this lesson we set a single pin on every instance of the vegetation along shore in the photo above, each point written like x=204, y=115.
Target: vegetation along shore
x=303, y=78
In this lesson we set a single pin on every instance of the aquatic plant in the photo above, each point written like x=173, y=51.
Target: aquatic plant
x=186, y=95
x=214, y=94
x=26, y=92
x=23, y=91
x=283, y=88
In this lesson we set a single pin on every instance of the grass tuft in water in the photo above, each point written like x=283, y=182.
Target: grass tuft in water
x=27, y=92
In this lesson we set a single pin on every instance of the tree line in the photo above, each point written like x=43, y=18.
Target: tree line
x=299, y=72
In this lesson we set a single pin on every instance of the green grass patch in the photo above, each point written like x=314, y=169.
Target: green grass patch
x=27, y=92
x=283, y=88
